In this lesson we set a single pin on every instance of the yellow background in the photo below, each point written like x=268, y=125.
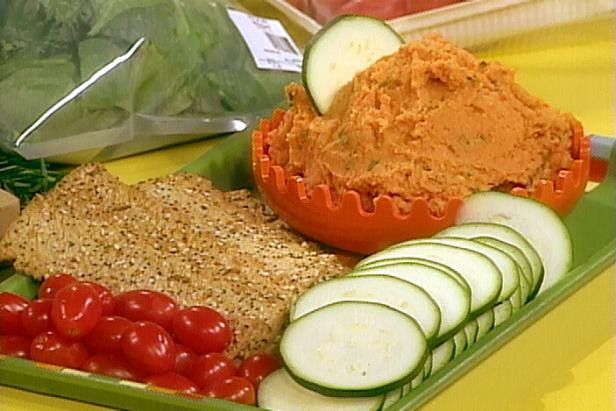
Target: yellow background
x=565, y=361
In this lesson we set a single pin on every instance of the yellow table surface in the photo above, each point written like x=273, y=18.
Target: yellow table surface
x=566, y=360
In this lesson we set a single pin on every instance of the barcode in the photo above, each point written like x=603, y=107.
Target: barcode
x=281, y=43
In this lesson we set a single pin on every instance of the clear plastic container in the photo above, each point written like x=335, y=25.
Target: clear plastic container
x=467, y=23
x=325, y=10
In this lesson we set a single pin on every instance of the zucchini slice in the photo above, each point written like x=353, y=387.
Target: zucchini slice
x=343, y=47
x=503, y=233
x=417, y=380
x=391, y=397
x=428, y=366
x=485, y=322
x=423, y=261
x=278, y=391
x=353, y=349
x=483, y=277
x=504, y=263
x=538, y=223
x=452, y=299
x=422, y=376
x=391, y=291
x=470, y=329
x=406, y=388
x=523, y=266
x=442, y=354
x=516, y=301
x=459, y=342
x=502, y=312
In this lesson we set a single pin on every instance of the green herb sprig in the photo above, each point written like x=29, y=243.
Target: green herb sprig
x=26, y=178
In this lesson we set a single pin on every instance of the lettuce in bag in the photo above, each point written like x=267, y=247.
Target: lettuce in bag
x=90, y=80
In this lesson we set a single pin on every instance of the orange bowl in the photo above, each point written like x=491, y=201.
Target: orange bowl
x=350, y=227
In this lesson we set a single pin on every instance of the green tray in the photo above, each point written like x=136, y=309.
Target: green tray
x=593, y=228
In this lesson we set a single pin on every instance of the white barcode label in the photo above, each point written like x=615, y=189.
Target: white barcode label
x=269, y=43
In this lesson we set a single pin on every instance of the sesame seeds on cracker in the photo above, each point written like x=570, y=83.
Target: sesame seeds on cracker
x=178, y=235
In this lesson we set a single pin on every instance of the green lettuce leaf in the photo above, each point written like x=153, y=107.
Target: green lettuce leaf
x=194, y=63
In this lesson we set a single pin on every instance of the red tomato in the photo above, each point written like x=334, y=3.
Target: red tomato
x=256, y=367
x=414, y=6
x=202, y=329
x=235, y=389
x=75, y=310
x=36, y=318
x=112, y=365
x=381, y=10
x=303, y=5
x=325, y=10
x=15, y=345
x=105, y=295
x=184, y=359
x=106, y=335
x=210, y=369
x=50, y=347
x=148, y=347
x=173, y=381
x=54, y=283
x=143, y=305
x=11, y=307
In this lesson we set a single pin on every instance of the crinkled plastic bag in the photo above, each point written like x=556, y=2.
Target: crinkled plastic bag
x=91, y=80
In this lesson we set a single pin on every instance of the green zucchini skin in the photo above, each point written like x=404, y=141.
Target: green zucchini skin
x=484, y=293
x=361, y=393
x=280, y=391
x=483, y=229
x=536, y=222
x=317, y=40
x=401, y=268
x=384, y=289
x=293, y=348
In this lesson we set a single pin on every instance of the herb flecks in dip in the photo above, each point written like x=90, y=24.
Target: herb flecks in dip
x=430, y=121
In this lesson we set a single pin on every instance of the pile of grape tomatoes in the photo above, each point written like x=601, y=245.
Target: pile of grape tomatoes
x=137, y=335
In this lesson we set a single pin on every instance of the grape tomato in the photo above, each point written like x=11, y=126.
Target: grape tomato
x=202, y=329
x=11, y=307
x=383, y=10
x=256, y=367
x=106, y=297
x=80, y=324
x=52, y=348
x=184, y=359
x=148, y=347
x=144, y=305
x=236, y=389
x=76, y=309
x=15, y=345
x=210, y=369
x=36, y=318
x=54, y=283
x=173, y=381
x=106, y=336
x=416, y=6
x=112, y=365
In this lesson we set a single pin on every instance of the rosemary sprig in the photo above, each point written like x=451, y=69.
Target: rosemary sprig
x=26, y=178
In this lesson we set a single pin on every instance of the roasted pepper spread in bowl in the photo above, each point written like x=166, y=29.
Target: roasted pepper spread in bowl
x=425, y=126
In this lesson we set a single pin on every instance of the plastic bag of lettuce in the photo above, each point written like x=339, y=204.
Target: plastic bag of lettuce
x=91, y=80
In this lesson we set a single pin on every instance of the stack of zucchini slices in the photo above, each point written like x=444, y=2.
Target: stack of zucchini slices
x=365, y=340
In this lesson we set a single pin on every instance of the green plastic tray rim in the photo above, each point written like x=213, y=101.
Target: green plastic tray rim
x=596, y=212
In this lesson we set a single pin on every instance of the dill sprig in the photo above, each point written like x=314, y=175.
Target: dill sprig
x=26, y=178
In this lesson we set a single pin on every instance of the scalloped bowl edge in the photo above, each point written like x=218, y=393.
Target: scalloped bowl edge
x=349, y=227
